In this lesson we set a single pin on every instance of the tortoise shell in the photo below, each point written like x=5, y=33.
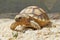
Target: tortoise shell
x=32, y=13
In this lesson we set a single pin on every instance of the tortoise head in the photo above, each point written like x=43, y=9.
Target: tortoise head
x=22, y=20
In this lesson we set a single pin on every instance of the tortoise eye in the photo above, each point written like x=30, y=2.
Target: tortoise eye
x=20, y=17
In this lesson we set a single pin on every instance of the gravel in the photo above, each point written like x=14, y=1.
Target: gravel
x=47, y=33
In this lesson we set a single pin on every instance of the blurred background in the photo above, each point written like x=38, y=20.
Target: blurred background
x=10, y=8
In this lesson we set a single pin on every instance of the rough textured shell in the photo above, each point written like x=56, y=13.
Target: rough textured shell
x=37, y=13
x=33, y=10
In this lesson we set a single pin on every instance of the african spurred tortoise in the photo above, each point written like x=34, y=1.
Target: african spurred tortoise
x=31, y=17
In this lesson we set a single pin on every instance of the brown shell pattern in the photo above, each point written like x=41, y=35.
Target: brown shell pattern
x=35, y=12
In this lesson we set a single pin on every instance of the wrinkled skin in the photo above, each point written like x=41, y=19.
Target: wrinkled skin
x=25, y=23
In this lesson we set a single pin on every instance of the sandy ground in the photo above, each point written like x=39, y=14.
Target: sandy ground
x=47, y=33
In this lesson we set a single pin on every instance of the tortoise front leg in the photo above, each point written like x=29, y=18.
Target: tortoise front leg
x=14, y=25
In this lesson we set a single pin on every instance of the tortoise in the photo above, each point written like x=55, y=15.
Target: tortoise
x=31, y=17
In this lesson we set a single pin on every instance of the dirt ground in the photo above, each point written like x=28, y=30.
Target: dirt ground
x=6, y=33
